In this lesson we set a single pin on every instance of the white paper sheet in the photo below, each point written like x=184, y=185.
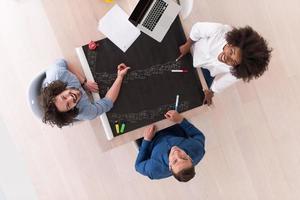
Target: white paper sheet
x=115, y=25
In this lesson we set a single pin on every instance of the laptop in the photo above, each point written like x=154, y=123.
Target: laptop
x=154, y=17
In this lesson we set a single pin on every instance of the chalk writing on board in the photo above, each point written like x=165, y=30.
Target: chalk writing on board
x=138, y=74
x=92, y=57
x=146, y=114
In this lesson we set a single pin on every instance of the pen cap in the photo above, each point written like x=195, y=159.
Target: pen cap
x=122, y=127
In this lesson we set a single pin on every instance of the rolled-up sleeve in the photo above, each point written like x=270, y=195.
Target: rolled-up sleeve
x=192, y=131
x=143, y=161
x=89, y=111
x=56, y=71
x=204, y=30
x=105, y=104
x=222, y=82
x=61, y=63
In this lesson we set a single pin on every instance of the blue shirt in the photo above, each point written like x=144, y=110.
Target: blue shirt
x=153, y=157
x=87, y=110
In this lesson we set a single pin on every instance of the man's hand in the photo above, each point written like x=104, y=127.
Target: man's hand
x=149, y=133
x=122, y=70
x=208, y=97
x=174, y=116
x=91, y=86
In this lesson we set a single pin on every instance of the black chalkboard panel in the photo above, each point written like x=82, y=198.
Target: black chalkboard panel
x=150, y=88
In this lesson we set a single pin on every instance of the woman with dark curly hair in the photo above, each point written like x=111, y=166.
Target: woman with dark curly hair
x=226, y=55
x=64, y=97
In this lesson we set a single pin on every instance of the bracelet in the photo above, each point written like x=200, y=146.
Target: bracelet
x=84, y=82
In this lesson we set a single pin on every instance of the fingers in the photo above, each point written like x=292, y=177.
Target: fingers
x=150, y=132
x=147, y=130
x=95, y=86
x=154, y=128
x=207, y=98
x=170, y=114
x=95, y=89
x=92, y=90
x=126, y=69
x=208, y=101
x=121, y=66
x=92, y=86
x=151, y=128
x=204, y=101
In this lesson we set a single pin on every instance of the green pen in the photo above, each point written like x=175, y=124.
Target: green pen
x=122, y=127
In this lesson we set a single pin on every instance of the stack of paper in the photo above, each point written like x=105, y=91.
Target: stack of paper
x=118, y=29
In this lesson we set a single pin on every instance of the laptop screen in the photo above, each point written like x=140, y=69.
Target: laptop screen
x=139, y=11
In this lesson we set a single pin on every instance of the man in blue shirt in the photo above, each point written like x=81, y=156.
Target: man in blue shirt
x=171, y=151
x=64, y=94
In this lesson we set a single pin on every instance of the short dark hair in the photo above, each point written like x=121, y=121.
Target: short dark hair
x=51, y=114
x=185, y=175
x=255, y=53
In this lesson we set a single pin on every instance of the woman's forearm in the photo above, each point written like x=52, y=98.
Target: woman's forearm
x=77, y=72
x=114, y=90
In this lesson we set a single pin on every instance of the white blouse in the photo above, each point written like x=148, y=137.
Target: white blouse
x=209, y=41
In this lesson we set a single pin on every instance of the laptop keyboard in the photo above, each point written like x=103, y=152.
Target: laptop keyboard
x=154, y=15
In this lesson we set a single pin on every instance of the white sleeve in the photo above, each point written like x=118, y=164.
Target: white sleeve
x=222, y=82
x=205, y=30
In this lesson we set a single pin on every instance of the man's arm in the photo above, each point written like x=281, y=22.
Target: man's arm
x=192, y=131
x=189, y=128
x=143, y=160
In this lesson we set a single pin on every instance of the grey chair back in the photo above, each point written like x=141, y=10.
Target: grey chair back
x=34, y=92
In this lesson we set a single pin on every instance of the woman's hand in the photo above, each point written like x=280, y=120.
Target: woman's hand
x=91, y=86
x=208, y=97
x=122, y=70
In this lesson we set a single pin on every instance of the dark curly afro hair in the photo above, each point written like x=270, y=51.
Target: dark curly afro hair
x=254, y=51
